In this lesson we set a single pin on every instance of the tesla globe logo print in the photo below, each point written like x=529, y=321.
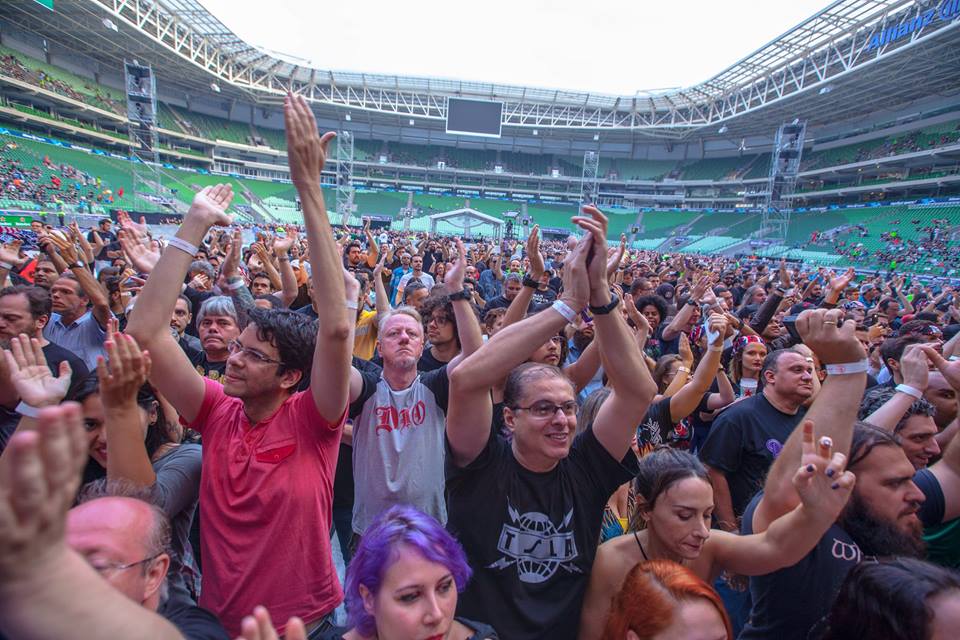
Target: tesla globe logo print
x=536, y=546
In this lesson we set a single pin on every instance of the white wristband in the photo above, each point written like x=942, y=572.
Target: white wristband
x=233, y=286
x=564, y=309
x=848, y=368
x=352, y=304
x=27, y=410
x=183, y=245
x=910, y=391
x=6, y=265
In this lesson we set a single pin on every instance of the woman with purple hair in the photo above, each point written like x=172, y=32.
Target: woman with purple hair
x=402, y=584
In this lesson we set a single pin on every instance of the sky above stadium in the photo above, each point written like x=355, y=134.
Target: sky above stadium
x=615, y=47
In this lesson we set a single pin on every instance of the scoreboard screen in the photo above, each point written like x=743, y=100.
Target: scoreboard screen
x=474, y=117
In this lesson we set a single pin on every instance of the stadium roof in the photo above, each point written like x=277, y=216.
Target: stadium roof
x=829, y=68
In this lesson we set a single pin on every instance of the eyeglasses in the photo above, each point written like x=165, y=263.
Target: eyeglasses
x=110, y=568
x=547, y=409
x=440, y=321
x=234, y=347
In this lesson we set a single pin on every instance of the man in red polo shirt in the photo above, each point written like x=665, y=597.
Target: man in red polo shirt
x=269, y=451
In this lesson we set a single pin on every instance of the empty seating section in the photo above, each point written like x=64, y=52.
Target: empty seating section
x=710, y=244
x=741, y=223
x=628, y=169
x=212, y=127
x=412, y=154
x=525, y=163
x=713, y=168
x=471, y=159
x=759, y=168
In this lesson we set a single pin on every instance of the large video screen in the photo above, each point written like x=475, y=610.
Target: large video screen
x=474, y=117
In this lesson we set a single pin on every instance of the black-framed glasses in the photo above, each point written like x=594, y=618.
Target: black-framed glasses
x=113, y=567
x=234, y=346
x=547, y=409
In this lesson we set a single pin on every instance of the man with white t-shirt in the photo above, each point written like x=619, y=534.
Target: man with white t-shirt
x=417, y=274
x=399, y=415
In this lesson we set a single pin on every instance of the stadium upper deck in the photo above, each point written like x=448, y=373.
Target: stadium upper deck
x=852, y=59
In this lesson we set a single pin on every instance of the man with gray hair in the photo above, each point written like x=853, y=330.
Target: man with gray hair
x=218, y=326
x=399, y=413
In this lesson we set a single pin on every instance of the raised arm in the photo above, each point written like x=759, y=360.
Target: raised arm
x=683, y=313
x=171, y=371
x=380, y=290
x=470, y=409
x=519, y=305
x=833, y=413
x=307, y=153
x=96, y=294
x=824, y=488
x=31, y=381
x=628, y=377
x=947, y=470
x=915, y=368
x=685, y=401
x=120, y=379
x=288, y=279
x=373, y=250
x=40, y=576
x=468, y=327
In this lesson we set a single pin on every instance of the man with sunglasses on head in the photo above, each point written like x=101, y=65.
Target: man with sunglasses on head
x=270, y=450
x=399, y=413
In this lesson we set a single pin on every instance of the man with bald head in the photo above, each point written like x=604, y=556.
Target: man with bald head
x=941, y=395
x=125, y=537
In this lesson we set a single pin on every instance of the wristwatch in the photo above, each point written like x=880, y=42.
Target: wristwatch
x=464, y=294
x=607, y=308
x=530, y=282
x=78, y=265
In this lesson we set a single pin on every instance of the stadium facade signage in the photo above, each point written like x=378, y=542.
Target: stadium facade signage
x=947, y=11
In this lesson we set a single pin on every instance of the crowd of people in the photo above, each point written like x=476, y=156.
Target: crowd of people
x=65, y=185
x=512, y=439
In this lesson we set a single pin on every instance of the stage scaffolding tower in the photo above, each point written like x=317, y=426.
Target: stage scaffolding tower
x=141, y=92
x=784, y=167
x=345, y=206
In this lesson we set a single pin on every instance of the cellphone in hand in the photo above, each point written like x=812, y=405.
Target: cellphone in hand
x=790, y=322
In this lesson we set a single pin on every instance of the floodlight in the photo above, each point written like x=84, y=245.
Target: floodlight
x=215, y=87
x=411, y=122
x=108, y=23
x=535, y=132
x=347, y=117
x=596, y=137
x=723, y=129
x=825, y=90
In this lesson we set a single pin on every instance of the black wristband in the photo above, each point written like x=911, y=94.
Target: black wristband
x=530, y=282
x=463, y=294
x=607, y=308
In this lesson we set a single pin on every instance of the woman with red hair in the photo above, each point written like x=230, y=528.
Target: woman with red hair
x=662, y=600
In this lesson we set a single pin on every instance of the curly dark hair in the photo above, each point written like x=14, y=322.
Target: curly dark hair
x=440, y=301
x=293, y=334
x=655, y=301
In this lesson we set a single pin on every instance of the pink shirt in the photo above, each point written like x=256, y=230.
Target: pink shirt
x=265, y=494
